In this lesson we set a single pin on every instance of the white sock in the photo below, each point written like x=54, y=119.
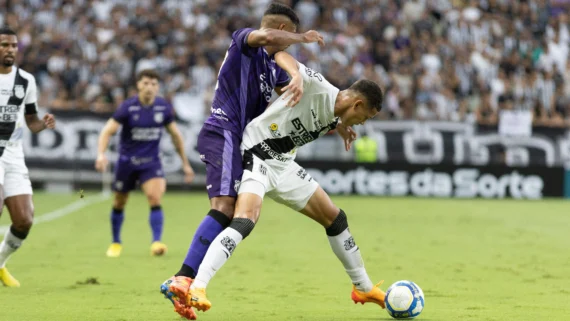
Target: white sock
x=348, y=253
x=219, y=252
x=10, y=244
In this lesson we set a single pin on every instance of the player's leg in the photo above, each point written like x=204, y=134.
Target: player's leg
x=300, y=192
x=18, y=192
x=219, y=150
x=248, y=208
x=154, y=189
x=124, y=182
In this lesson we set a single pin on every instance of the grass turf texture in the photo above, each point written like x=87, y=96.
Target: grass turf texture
x=475, y=260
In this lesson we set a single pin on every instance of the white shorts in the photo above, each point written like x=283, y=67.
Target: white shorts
x=288, y=184
x=14, y=177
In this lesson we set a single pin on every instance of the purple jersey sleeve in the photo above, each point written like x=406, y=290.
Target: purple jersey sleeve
x=282, y=78
x=121, y=115
x=240, y=38
x=169, y=115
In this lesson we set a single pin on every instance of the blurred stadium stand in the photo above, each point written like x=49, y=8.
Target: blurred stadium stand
x=467, y=82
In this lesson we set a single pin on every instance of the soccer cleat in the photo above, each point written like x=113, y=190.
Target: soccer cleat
x=7, y=279
x=157, y=248
x=197, y=299
x=181, y=283
x=375, y=295
x=114, y=250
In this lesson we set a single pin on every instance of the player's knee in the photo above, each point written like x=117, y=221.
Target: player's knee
x=338, y=225
x=120, y=201
x=225, y=205
x=154, y=199
x=24, y=223
x=243, y=225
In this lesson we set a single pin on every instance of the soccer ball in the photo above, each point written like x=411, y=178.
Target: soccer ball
x=404, y=300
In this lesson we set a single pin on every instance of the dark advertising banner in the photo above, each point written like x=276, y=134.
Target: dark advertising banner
x=438, y=181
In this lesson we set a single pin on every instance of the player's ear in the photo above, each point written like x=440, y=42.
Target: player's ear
x=358, y=105
x=282, y=26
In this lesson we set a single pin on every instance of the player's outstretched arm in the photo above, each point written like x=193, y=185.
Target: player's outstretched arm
x=179, y=145
x=111, y=127
x=276, y=37
x=36, y=125
x=294, y=90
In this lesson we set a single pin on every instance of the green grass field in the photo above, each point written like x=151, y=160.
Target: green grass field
x=475, y=260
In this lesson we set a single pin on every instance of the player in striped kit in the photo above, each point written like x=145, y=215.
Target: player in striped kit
x=18, y=106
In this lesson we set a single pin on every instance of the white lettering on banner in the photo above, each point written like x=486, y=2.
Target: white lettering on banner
x=463, y=183
x=468, y=146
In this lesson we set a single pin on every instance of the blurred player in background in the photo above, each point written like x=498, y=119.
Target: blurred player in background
x=142, y=118
x=18, y=103
x=246, y=80
x=270, y=143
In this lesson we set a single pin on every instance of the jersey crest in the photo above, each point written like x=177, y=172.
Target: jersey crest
x=19, y=91
x=158, y=117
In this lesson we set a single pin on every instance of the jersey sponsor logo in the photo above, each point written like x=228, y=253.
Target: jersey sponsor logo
x=159, y=107
x=19, y=91
x=273, y=154
x=312, y=73
x=158, y=117
x=274, y=129
x=316, y=120
x=145, y=134
x=302, y=136
x=6, y=92
x=237, y=184
x=9, y=113
x=265, y=88
x=219, y=113
x=134, y=108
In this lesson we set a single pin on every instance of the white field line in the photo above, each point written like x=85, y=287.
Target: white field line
x=63, y=211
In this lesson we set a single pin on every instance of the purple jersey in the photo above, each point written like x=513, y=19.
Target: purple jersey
x=245, y=84
x=142, y=128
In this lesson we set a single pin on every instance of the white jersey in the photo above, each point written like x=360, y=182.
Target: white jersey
x=18, y=96
x=278, y=132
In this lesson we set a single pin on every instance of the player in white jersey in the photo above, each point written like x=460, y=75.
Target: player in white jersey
x=17, y=107
x=269, y=147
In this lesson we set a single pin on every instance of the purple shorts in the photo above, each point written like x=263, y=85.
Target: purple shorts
x=220, y=149
x=128, y=172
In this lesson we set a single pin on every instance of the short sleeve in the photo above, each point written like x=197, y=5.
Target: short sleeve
x=121, y=115
x=31, y=99
x=282, y=78
x=240, y=38
x=169, y=114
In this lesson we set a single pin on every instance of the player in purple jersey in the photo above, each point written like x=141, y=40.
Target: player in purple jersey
x=142, y=118
x=245, y=84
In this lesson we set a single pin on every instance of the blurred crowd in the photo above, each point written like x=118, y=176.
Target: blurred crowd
x=436, y=59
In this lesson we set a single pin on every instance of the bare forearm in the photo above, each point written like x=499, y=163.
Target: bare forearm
x=179, y=145
x=36, y=126
x=274, y=37
x=287, y=63
x=103, y=142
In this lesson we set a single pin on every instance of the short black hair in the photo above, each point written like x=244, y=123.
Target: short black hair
x=371, y=91
x=277, y=8
x=149, y=73
x=7, y=31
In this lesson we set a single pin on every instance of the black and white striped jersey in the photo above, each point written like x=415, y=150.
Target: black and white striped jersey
x=280, y=130
x=18, y=96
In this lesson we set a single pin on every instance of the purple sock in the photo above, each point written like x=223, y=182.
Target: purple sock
x=117, y=218
x=156, y=220
x=212, y=225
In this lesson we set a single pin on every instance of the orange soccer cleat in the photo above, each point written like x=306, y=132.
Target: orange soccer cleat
x=376, y=295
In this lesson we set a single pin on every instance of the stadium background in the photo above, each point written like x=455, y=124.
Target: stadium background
x=476, y=86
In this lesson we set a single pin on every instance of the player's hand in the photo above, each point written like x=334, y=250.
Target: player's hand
x=348, y=135
x=294, y=90
x=188, y=174
x=49, y=121
x=313, y=36
x=101, y=163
